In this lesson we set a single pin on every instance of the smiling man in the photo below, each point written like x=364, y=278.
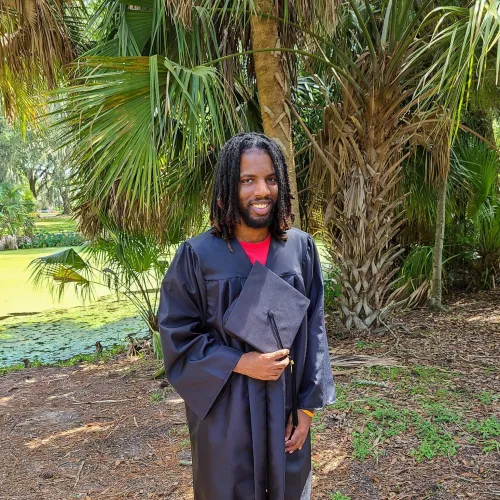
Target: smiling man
x=240, y=402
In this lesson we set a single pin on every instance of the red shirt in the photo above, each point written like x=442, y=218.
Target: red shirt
x=257, y=251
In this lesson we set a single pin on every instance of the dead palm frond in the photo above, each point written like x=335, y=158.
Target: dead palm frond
x=37, y=38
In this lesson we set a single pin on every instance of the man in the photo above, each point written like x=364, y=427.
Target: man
x=238, y=401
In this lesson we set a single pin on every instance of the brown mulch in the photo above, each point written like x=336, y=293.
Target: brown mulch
x=108, y=431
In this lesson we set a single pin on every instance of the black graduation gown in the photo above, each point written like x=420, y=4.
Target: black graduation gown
x=236, y=423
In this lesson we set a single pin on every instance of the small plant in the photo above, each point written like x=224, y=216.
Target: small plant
x=315, y=430
x=338, y=495
x=487, y=428
x=332, y=287
x=434, y=441
x=441, y=414
x=485, y=432
x=386, y=422
x=157, y=397
x=185, y=443
x=486, y=398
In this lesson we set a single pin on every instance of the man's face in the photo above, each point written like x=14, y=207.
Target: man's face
x=258, y=189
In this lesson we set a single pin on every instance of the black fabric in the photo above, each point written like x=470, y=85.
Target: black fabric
x=267, y=315
x=236, y=423
x=268, y=312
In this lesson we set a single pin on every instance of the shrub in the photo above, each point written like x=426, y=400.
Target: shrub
x=16, y=209
x=8, y=242
x=46, y=240
x=331, y=277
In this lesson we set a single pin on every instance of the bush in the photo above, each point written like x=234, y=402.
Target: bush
x=17, y=205
x=46, y=240
x=331, y=278
x=8, y=242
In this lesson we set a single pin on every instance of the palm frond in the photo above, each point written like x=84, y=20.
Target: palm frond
x=64, y=268
x=37, y=38
x=130, y=118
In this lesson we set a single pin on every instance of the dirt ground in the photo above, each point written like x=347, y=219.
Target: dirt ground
x=109, y=431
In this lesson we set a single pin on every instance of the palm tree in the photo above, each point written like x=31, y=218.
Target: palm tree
x=471, y=255
x=37, y=38
x=187, y=75
x=132, y=266
x=399, y=85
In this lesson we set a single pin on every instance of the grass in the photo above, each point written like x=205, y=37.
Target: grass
x=55, y=224
x=105, y=355
x=425, y=409
x=338, y=495
x=157, y=397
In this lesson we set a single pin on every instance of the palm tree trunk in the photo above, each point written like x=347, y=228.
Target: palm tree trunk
x=273, y=90
x=437, y=259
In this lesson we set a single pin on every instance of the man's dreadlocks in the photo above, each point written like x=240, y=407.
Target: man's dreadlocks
x=224, y=214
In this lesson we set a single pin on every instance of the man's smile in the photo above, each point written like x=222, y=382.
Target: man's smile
x=261, y=207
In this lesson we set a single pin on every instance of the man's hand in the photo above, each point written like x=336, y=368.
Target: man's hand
x=263, y=366
x=296, y=440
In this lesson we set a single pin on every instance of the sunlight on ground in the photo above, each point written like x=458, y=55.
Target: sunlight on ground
x=60, y=396
x=94, y=427
x=98, y=367
x=485, y=318
x=328, y=460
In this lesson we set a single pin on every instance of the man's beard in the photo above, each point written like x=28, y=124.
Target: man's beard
x=257, y=222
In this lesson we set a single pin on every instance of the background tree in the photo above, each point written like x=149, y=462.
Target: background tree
x=399, y=85
x=17, y=206
x=31, y=158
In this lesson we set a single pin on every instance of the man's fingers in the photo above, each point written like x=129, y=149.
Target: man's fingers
x=294, y=439
x=280, y=354
x=296, y=442
x=284, y=363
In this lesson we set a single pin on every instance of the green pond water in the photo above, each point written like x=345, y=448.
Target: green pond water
x=60, y=334
x=34, y=324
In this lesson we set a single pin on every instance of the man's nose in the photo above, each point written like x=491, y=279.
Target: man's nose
x=262, y=189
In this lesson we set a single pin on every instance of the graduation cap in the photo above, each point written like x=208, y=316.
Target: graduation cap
x=268, y=312
x=267, y=315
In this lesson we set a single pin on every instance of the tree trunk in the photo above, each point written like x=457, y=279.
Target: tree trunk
x=437, y=259
x=66, y=204
x=32, y=183
x=273, y=89
x=365, y=225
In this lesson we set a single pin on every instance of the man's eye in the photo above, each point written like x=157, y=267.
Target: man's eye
x=273, y=180
x=246, y=181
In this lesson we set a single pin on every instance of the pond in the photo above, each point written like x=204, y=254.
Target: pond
x=35, y=324
x=62, y=333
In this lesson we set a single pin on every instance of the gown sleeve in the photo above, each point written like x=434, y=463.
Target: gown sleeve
x=197, y=365
x=317, y=387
